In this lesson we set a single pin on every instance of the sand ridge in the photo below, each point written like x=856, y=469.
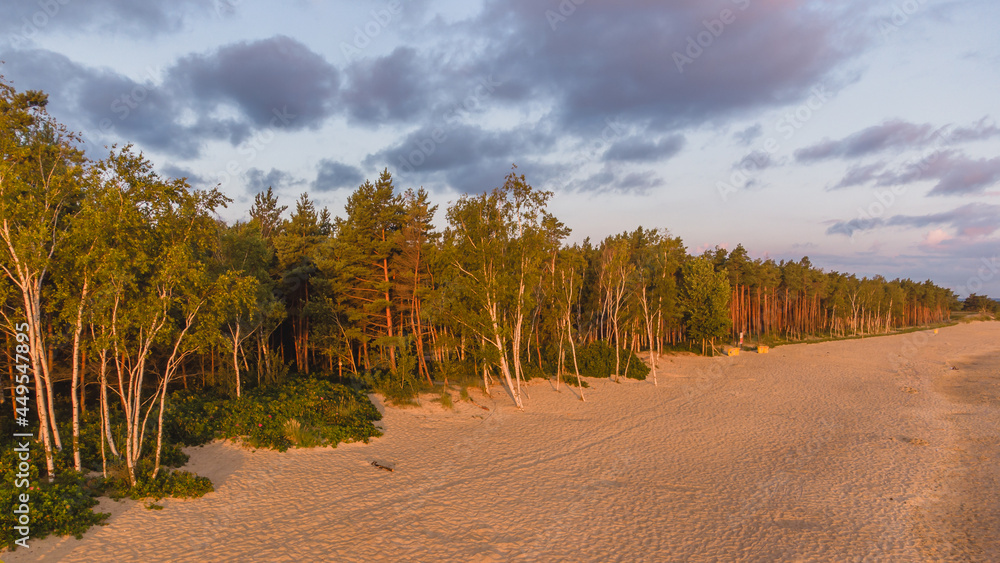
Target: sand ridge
x=840, y=451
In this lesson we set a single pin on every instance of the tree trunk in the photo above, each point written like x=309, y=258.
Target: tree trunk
x=77, y=333
x=32, y=304
x=236, y=363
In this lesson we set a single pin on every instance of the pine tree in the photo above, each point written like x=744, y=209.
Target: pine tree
x=370, y=241
x=296, y=247
x=705, y=298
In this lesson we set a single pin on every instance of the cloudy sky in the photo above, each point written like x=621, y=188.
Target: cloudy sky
x=863, y=134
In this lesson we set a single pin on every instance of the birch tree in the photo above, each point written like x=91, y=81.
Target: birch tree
x=496, y=245
x=617, y=282
x=568, y=280
x=40, y=179
x=154, y=287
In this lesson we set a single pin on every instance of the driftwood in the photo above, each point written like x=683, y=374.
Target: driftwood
x=380, y=466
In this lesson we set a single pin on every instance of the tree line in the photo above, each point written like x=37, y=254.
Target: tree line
x=132, y=288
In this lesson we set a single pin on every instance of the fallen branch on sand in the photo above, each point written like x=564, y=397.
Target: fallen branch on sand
x=380, y=466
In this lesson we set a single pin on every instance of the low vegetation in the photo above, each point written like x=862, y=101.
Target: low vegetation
x=303, y=412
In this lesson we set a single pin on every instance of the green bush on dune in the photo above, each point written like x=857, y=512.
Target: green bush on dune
x=597, y=359
x=63, y=507
x=167, y=483
x=325, y=413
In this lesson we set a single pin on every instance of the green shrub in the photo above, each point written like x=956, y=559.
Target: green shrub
x=399, y=390
x=458, y=372
x=597, y=359
x=569, y=378
x=171, y=455
x=532, y=371
x=326, y=414
x=300, y=436
x=446, y=401
x=167, y=483
x=191, y=418
x=278, y=372
x=63, y=507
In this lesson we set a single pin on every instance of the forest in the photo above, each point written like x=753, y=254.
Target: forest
x=136, y=299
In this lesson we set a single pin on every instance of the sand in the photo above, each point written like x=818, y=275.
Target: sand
x=862, y=450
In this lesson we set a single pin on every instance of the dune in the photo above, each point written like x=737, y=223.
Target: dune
x=880, y=449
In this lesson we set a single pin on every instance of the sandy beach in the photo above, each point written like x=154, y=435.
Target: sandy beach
x=880, y=449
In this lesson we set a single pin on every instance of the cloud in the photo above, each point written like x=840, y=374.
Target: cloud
x=969, y=221
x=607, y=60
x=258, y=181
x=935, y=238
x=756, y=160
x=226, y=95
x=612, y=179
x=639, y=182
x=438, y=149
x=195, y=180
x=105, y=105
x=982, y=129
x=332, y=175
x=639, y=150
x=630, y=72
x=390, y=88
x=956, y=173
x=970, y=266
x=893, y=134
x=486, y=174
x=896, y=134
x=749, y=135
x=858, y=175
x=263, y=80
x=848, y=228
x=24, y=21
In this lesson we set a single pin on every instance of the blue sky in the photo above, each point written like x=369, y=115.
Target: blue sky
x=861, y=134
